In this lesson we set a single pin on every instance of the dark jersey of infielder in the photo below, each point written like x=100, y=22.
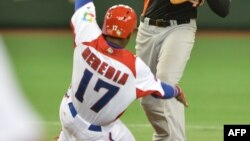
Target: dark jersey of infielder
x=106, y=78
x=163, y=9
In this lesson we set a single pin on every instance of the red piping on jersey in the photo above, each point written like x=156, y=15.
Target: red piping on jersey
x=141, y=93
x=121, y=55
x=110, y=137
x=119, y=115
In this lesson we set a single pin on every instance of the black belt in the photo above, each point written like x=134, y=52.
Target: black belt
x=92, y=127
x=164, y=23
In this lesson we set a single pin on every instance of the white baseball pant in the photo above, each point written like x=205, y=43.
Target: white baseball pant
x=166, y=50
x=77, y=129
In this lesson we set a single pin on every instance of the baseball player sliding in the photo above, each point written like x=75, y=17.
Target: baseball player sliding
x=106, y=78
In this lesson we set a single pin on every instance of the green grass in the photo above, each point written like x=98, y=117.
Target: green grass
x=216, y=81
x=43, y=64
x=217, y=84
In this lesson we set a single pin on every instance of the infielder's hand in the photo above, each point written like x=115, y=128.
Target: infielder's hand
x=181, y=96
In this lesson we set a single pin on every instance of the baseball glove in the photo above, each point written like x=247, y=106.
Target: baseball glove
x=220, y=7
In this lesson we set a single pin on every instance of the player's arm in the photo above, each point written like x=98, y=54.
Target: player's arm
x=220, y=7
x=169, y=91
x=148, y=84
x=172, y=91
x=83, y=22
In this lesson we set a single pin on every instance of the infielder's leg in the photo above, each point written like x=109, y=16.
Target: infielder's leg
x=167, y=117
x=148, y=43
x=173, y=57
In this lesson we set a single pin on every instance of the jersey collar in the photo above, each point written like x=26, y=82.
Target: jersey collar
x=114, y=45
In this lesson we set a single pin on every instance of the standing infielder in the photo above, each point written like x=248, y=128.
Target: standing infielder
x=106, y=77
x=164, y=41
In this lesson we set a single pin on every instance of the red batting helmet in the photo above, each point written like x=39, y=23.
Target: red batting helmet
x=119, y=21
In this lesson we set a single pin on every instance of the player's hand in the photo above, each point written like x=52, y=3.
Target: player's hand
x=197, y=3
x=181, y=96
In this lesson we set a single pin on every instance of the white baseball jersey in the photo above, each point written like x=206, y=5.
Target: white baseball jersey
x=106, y=79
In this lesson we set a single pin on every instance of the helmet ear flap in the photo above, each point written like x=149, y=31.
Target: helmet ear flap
x=119, y=21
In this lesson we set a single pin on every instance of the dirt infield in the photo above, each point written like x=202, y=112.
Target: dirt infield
x=215, y=33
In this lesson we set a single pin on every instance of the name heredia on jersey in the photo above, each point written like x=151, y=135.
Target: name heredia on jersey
x=103, y=68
